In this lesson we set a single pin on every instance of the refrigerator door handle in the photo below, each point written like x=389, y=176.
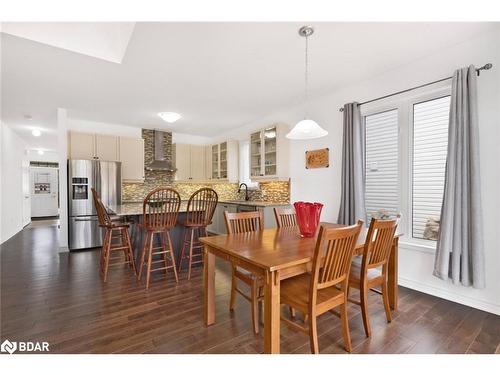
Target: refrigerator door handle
x=86, y=219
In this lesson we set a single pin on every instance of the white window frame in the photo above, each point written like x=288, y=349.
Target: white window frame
x=404, y=104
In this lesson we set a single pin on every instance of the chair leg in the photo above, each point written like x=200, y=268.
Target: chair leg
x=130, y=251
x=183, y=249
x=190, y=252
x=107, y=255
x=345, y=326
x=364, y=308
x=232, y=302
x=172, y=256
x=313, y=334
x=143, y=254
x=385, y=299
x=150, y=256
x=255, y=307
x=163, y=241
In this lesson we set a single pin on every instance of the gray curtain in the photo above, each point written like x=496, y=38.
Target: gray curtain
x=460, y=253
x=352, y=200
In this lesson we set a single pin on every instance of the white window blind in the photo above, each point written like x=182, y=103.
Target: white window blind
x=382, y=164
x=430, y=142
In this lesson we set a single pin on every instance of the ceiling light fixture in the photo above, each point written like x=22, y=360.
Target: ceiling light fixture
x=306, y=128
x=40, y=152
x=169, y=117
x=36, y=132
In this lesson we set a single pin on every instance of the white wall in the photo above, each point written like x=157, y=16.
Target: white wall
x=324, y=184
x=13, y=153
x=48, y=156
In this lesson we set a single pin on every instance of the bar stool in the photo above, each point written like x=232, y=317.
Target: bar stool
x=110, y=228
x=160, y=210
x=200, y=210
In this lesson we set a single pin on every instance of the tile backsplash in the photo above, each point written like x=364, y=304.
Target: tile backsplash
x=273, y=191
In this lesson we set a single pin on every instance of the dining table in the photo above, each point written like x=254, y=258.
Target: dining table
x=275, y=254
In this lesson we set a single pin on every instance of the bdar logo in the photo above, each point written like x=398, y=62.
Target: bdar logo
x=9, y=347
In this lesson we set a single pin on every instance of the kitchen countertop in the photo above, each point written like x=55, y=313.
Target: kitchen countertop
x=135, y=208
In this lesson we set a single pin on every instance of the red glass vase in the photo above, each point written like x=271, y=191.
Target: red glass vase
x=308, y=215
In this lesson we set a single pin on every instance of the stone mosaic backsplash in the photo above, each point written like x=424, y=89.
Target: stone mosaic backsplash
x=275, y=191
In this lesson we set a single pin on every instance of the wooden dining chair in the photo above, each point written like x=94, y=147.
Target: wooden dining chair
x=326, y=287
x=285, y=217
x=200, y=211
x=113, y=230
x=372, y=272
x=160, y=210
x=242, y=222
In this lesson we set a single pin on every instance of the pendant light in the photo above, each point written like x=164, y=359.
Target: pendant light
x=306, y=128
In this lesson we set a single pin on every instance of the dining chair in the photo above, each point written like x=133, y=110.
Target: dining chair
x=160, y=210
x=326, y=286
x=242, y=222
x=285, y=217
x=112, y=230
x=200, y=211
x=374, y=266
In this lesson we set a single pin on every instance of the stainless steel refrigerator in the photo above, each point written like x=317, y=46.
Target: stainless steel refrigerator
x=106, y=178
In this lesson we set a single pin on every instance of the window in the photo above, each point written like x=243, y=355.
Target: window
x=382, y=164
x=430, y=143
x=406, y=147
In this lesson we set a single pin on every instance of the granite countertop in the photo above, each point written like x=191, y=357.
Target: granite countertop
x=135, y=208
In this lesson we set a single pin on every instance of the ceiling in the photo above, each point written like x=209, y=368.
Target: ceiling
x=217, y=75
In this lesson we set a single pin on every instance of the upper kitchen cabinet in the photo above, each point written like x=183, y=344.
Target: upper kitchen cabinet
x=224, y=161
x=189, y=161
x=269, y=153
x=93, y=146
x=132, y=158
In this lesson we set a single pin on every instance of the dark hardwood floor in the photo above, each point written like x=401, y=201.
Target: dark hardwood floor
x=60, y=298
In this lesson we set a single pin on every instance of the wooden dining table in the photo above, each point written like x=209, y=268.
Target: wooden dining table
x=275, y=254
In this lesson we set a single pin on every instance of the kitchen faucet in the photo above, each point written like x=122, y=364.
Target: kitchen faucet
x=246, y=190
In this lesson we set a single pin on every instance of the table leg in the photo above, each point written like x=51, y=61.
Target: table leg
x=392, y=278
x=209, y=286
x=272, y=313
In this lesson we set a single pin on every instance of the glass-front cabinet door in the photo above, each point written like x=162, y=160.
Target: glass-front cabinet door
x=255, y=154
x=223, y=160
x=215, y=162
x=270, y=151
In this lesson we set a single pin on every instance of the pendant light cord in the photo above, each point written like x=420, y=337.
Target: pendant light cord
x=306, y=78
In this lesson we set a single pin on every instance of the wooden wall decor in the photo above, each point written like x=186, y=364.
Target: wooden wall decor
x=318, y=158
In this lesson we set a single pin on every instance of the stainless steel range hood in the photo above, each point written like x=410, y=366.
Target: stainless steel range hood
x=159, y=162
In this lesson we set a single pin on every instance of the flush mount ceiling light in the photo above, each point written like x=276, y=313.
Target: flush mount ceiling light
x=40, y=152
x=306, y=128
x=169, y=117
x=36, y=132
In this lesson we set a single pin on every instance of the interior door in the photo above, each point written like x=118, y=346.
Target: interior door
x=26, y=192
x=44, y=192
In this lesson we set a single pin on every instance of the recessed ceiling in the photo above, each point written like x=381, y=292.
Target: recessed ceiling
x=218, y=76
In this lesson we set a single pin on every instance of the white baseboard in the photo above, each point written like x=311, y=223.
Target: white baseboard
x=450, y=296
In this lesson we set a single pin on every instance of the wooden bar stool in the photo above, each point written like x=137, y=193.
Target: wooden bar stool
x=242, y=222
x=113, y=230
x=160, y=209
x=285, y=217
x=373, y=270
x=326, y=286
x=200, y=211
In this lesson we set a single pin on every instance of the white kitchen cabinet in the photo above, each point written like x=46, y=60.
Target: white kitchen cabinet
x=131, y=152
x=269, y=153
x=224, y=161
x=93, y=146
x=189, y=161
x=81, y=145
x=106, y=147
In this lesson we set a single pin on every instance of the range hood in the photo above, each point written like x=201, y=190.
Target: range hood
x=159, y=163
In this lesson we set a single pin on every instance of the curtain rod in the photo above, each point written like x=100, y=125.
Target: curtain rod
x=478, y=70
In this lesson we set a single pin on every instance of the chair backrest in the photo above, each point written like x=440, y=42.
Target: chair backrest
x=285, y=217
x=333, y=257
x=242, y=222
x=160, y=208
x=102, y=215
x=378, y=243
x=201, y=206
